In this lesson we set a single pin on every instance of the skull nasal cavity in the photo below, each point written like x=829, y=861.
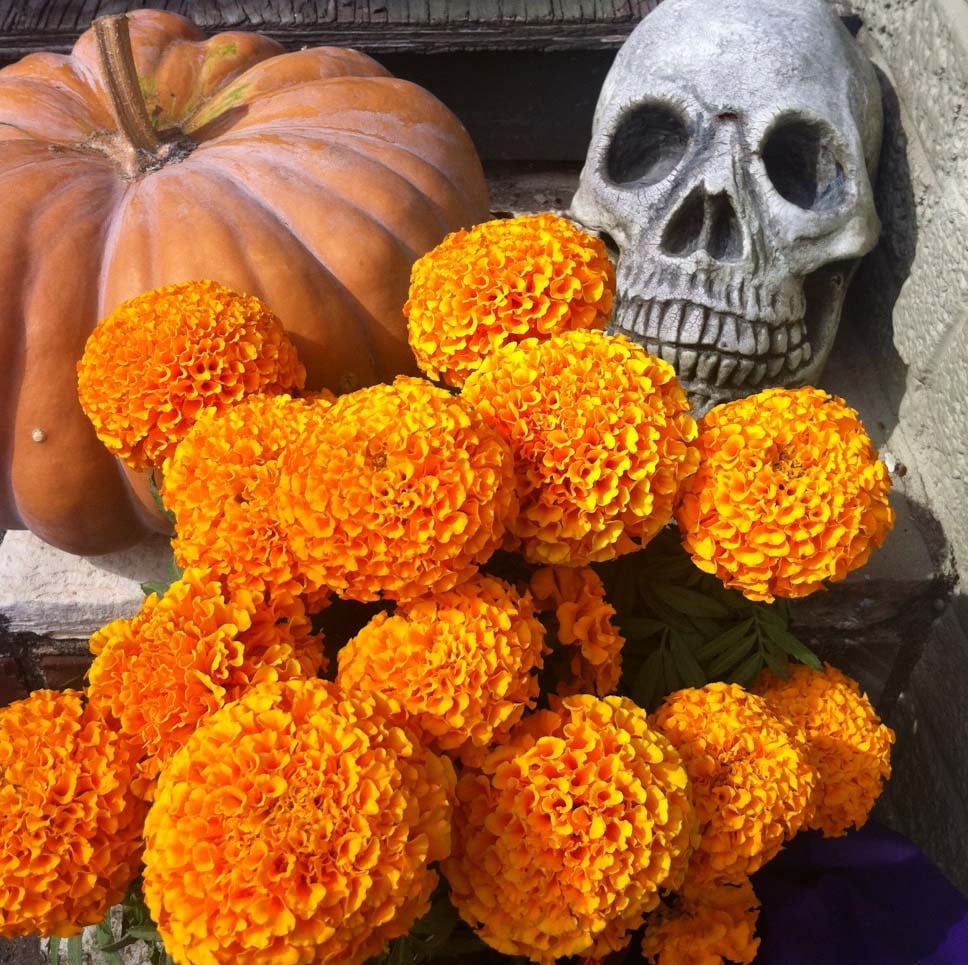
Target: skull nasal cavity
x=706, y=222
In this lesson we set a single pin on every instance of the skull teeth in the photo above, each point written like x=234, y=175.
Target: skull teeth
x=686, y=363
x=718, y=348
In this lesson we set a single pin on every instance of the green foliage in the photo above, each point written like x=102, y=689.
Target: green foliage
x=160, y=587
x=136, y=926
x=684, y=629
x=158, y=501
x=174, y=570
x=441, y=937
x=73, y=949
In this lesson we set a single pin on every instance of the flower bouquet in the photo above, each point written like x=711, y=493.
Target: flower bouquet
x=492, y=665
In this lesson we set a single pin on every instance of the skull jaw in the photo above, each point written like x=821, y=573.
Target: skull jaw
x=736, y=356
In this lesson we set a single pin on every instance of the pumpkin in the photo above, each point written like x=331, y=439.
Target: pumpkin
x=151, y=156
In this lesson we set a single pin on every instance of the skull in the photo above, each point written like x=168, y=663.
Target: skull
x=731, y=161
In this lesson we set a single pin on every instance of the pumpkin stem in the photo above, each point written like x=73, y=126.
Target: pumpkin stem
x=120, y=76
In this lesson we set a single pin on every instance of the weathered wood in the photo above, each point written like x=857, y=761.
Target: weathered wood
x=372, y=25
x=42, y=15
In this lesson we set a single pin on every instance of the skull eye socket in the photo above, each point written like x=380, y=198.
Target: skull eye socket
x=801, y=162
x=648, y=144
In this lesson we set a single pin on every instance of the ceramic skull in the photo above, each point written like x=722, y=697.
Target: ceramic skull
x=731, y=161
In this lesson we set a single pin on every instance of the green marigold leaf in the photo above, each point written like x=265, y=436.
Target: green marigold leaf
x=690, y=602
x=748, y=670
x=717, y=670
x=725, y=640
x=788, y=642
x=690, y=671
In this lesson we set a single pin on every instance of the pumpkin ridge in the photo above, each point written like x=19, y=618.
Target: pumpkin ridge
x=314, y=186
x=396, y=145
x=385, y=169
x=209, y=51
x=210, y=111
x=112, y=234
x=85, y=113
x=328, y=135
x=45, y=499
x=313, y=257
x=467, y=201
x=43, y=156
x=150, y=29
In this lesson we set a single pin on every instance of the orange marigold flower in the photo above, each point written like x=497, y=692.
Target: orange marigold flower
x=575, y=597
x=157, y=360
x=751, y=781
x=706, y=925
x=789, y=494
x=400, y=491
x=184, y=656
x=221, y=485
x=501, y=282
x=458, y=667
x=296, y=825
x=601, y=441
x=567, y=832
x=70, y=826
x=847, y=745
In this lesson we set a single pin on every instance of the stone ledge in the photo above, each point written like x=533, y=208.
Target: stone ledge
x=53, y=594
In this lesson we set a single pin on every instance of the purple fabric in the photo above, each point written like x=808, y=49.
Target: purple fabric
x=869, y=898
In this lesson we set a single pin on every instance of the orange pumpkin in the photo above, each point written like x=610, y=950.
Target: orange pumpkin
x=311, y=179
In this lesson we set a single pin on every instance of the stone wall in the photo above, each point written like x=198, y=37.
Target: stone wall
x=910, y=307
x=922, y=48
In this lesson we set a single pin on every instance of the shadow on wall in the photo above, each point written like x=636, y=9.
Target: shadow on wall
x=925, y=798
x=867, y=319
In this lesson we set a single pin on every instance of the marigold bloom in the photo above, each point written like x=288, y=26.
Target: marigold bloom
x=400, y=491
x=221, y=485
x=458, y=667
x=564, y=837
x=601, y=441
x=501, y=282
x=789, y=494
x=575, y=597
x=157, y=360
x=295, y=826
x=847, y=745
x=751, y=782
x=70, y=826
x=705, y=925
x=184, y=656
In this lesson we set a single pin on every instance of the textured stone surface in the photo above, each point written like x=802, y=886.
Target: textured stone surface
x=45, y=591
x=922, y=46
x=925, y=42
x=915, y=286
x=936, y=412
x=21, y=951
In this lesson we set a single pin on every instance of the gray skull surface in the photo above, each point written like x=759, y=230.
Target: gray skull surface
x=731, y=160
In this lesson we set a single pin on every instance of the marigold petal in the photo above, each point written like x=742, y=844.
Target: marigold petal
x=789, y=494
x=157, y=361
